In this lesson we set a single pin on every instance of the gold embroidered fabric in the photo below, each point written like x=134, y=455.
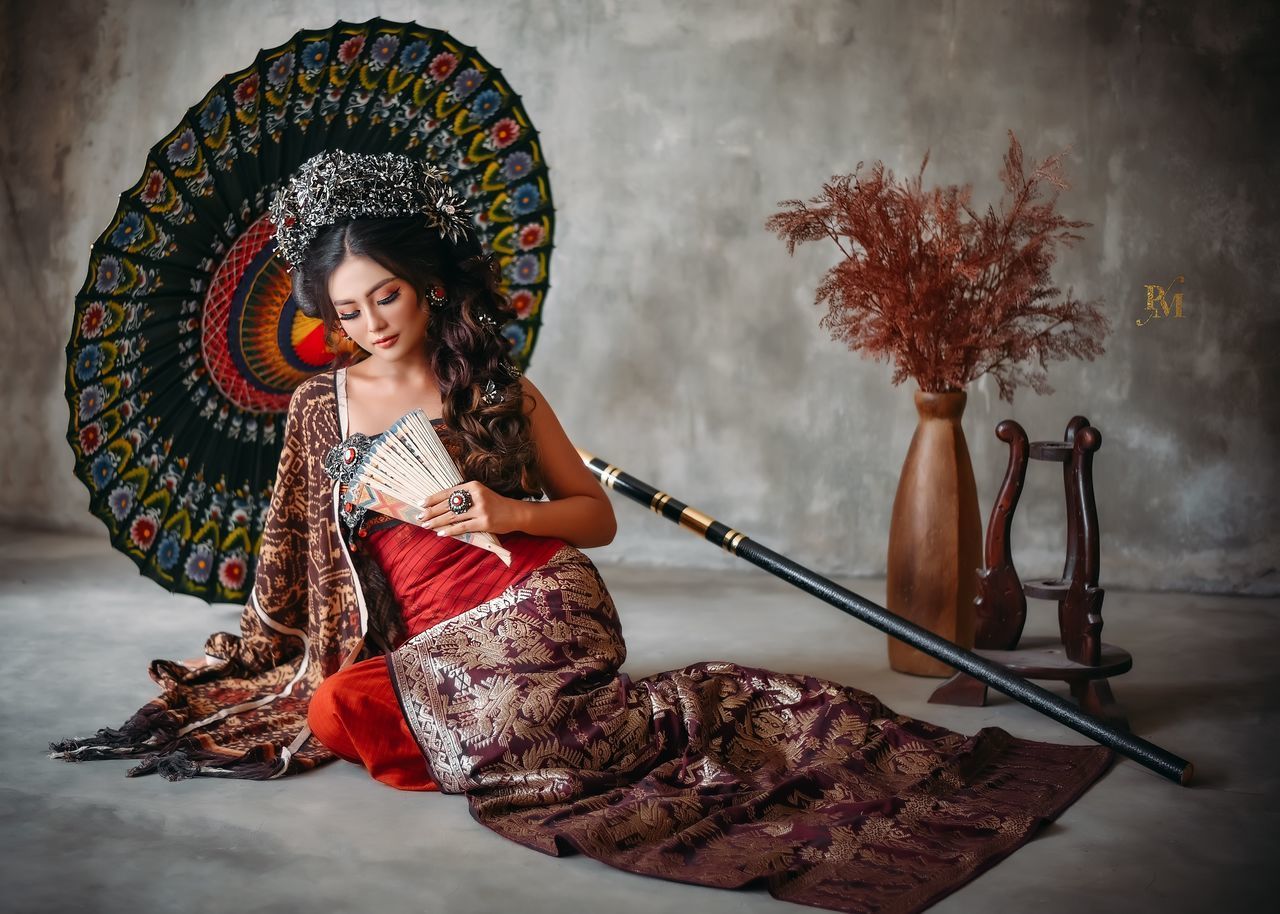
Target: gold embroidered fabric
x=715, y=774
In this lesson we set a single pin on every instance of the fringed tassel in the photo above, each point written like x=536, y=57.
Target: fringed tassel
x=150, y=729
x=258, y=764
x=176, y=766
x=149, y=736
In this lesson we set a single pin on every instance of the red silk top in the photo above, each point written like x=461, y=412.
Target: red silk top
x=438, y=577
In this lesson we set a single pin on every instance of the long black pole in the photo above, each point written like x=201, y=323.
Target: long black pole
x=993, y=674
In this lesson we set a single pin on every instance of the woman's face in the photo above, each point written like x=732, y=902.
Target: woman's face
x=379, y=310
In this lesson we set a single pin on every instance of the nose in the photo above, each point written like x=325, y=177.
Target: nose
x=373, y=321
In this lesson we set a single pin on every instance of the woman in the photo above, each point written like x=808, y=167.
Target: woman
x=422, y=321
x=370, y=637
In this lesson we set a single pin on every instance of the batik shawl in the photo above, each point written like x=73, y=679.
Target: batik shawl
x=245, y=714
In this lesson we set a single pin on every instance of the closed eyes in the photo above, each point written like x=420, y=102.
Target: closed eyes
x=382, y=301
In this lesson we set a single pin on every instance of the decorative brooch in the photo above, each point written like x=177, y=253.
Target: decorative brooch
x=341, y=464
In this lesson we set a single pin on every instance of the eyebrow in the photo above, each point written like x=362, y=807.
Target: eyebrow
x=378, y=285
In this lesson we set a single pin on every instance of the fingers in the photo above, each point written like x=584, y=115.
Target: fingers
x=440, y=514
x=457, y=526
x=442, y=497
x=436, y=511
x=435, y=499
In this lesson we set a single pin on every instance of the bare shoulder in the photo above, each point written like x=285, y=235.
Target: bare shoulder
x=563, y=471
x=537, y=407
x=534, y=399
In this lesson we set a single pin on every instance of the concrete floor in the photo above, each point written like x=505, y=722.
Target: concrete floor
x=81, y=625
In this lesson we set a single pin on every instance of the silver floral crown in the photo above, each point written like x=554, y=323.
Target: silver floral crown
x=334, y=185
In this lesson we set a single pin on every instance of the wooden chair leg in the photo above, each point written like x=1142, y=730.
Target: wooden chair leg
x=961, y=689
x=1095, y=698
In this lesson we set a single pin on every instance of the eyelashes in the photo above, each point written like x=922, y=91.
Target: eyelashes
x=382, y=301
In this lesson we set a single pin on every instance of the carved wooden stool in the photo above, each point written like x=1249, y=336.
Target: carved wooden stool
x=1080, y=658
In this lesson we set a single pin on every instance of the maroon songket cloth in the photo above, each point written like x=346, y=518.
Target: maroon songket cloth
x=715, y=774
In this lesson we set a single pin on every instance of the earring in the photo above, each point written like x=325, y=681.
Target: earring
x=438, y=294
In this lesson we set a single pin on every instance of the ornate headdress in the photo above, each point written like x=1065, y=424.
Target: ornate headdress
x=335, y=185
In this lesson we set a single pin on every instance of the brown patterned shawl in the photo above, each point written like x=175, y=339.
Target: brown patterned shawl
x=715, y=774
x=245, y=715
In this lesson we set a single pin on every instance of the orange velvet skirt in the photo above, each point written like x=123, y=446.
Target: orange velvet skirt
x=355, y=712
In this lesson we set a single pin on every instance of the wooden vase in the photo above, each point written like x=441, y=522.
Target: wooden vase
x=935, y=537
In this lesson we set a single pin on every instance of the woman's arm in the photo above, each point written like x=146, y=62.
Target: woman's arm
x=579, y=511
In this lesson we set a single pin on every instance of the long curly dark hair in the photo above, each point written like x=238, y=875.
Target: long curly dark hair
x=463, y=344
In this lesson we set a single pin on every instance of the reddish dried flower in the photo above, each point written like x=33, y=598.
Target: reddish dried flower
x=947, y=294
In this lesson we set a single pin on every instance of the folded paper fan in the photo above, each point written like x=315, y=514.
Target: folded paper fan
x=405, y=464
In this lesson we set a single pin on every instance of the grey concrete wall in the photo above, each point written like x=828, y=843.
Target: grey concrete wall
x=681, y=342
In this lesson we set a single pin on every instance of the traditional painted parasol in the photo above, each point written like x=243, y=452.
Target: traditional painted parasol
x=186, y=343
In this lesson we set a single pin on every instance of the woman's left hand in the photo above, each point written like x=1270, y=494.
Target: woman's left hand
x=489, y=511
